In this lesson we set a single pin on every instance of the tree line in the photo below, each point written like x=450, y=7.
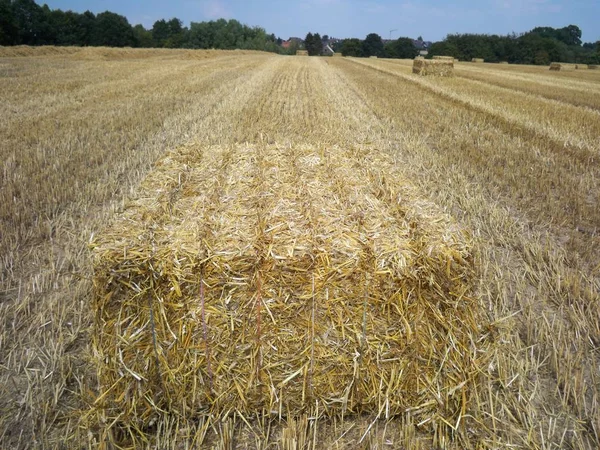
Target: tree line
x=542, y=45
x=24, y=22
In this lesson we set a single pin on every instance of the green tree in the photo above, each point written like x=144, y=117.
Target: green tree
x=373, y=46
x=443, y=48
x=113, y=30
x=31, y=23
x=351, y=47
x=9, y=31
x=313, y=44
x=403, y=48
x=160, y=32
x=87, y=25
x=68, y=27
x=143, y=38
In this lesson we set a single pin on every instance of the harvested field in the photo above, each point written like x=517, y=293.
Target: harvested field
x=110, y=171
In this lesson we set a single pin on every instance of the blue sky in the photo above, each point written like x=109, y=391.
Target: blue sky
x=432, y=19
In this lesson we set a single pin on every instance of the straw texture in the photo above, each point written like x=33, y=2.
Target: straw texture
x=266, y=279
x=433, y=67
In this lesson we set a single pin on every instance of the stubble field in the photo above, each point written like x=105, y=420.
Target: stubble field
x=511, y=154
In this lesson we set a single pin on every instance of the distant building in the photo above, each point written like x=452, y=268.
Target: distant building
x=288, y=43
x=421, y=45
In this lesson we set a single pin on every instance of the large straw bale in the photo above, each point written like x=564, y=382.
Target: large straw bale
x=301, y=52
x=265, y=279
x=581, y=66
x=435, y=67
x=478, y=60
x=561, y=66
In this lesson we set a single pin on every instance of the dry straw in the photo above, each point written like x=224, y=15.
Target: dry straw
x=264, y=280
x=581, y=66
x=338, y=54
x=477, y=60
x=503, y=62
x=110, y=53
x=443, y=58
x=593, y=66
x=434, y=67
x=373, y=57
x=301, y=52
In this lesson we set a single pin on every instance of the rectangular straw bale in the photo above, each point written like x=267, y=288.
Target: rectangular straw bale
x=593, y=66
x=503, y=62
x=261, y=279
x=301, y=52
x=338, y=54
x=434, y=67
x=581, y=66
x=478, y=60
x=561, y=66
x=373, y=57
x=444, y=58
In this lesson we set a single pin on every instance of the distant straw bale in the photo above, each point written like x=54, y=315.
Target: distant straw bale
x=581, y=66
x=301, y=52
x=338, y=54
x=503, y=62
x=373, y=57
x=562, y=66
x=435, y=67
x=444, y=58
x=260, y=280
x=593, y=66
x=477, y=60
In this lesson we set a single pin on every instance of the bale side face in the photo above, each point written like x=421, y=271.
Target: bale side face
x=301, y=52
x=478, y=60
x=593, y=66
x=266, y=279
x=433, y=67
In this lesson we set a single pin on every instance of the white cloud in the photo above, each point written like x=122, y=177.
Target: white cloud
x=529, y=6
x=214, y=9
